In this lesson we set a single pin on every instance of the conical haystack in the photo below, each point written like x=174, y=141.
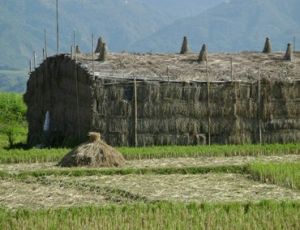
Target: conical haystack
x=77, y=49
x=185, y=46
x=95, y=153
x=203, y=54
x=103, y=52
x=267, y=48
x=99, y=45
x=289, y=53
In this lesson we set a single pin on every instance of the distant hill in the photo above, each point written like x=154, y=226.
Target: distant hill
x=120, y=22
x=22, y=24
x=142, y=26
x=237, y=25
x=180, y=9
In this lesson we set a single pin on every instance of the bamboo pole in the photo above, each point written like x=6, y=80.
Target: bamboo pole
x=57, y=29
x=34, y=59
x=45, y=44
x=77, y=98
x=231, y=68
x=208, y=105
x=30, y=66
x=135, y=113
x=44, y=54
x=93, y=67
x=259, y=107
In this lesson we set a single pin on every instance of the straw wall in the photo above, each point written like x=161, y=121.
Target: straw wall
x=54, y=87
x=167, y=112
x=183, y=113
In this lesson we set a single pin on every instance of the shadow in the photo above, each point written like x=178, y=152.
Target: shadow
x=20, y=146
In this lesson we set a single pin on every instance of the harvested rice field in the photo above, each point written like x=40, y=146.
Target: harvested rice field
x=214, y=192
x=163, y=162
x=188, y=188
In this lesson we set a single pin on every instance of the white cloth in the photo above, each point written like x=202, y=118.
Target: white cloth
x=46, y=125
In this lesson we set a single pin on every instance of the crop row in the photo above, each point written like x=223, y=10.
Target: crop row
x=159, y=215
x=152, y=152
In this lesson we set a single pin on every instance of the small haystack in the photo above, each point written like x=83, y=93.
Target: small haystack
x=103, y=52
x=203, y=54
x=289, y=53
x=99, y=45
x=77, y=49
x=184, y=46
x=95, y=153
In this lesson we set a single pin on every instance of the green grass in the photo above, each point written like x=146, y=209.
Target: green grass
x=78, y=172
x=285, y=174
x=131, y=153
x=31, y=156
x=213, y=150
x=13, y=125
x=159, y=215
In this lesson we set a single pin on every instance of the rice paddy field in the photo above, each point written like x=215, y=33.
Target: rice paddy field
x=171, y=187
x=160, y=187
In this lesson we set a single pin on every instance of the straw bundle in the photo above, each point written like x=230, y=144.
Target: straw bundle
x=94, y=153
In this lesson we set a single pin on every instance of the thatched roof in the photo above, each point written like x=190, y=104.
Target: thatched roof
x=176, y=67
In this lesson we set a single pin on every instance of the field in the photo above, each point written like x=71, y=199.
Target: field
x=166, y=187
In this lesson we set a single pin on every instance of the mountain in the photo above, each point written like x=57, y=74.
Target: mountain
x=22, y=25
x=120, y=22
x=235, y=25
x=180, y=9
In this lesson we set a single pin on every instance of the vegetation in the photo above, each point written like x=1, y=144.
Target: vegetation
x=286, y=174
x=154, y=152
x=79, y=172
x=12, y=118
x=213, y=150
x=68, y=192
x=159, y=215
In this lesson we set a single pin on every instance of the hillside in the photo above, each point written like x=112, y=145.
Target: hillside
x=122, y=23
x=233, y=26
x=22, y=24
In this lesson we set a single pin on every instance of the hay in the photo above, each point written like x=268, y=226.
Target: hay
x=103, y=52
x=95, y=153
x=77, y=49
x=203, y=54
x=99, y=45
x=267, y=48
x=289, y=53
x=184, y=47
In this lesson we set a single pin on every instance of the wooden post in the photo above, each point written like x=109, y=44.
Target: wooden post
x=44, y=54
x=135, y=113
x=57, y=29
x=231, y=67
x=259, y=107
x=168, y=73
x=208, y=106
x=30, y=68
x=208, y=113
x=77, y=100
x=74, y=39
x=45, y=44
x=34, y=59
x=93, y=67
